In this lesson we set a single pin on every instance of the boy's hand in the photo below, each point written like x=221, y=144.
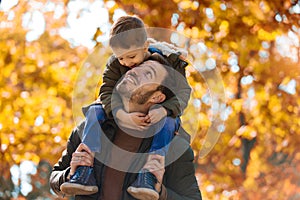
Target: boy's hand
x=134, y=120
x=156, y=114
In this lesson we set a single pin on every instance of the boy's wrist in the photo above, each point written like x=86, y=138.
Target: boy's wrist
x=119, y=113
x=169, y=112
x=165, y=110
x=116, y=111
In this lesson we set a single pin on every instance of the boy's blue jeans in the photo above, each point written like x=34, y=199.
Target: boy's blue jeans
x=92, y=132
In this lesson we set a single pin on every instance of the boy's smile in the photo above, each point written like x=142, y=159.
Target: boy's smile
x=131, y=57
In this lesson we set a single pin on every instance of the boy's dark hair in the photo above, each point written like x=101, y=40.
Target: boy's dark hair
x=128, y=31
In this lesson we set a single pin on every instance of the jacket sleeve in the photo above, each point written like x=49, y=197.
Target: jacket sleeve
x=61, y=169
x=181, y=183
x=179, y=86
x=111, y=76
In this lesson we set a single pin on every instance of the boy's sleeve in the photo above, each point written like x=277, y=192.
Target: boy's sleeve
x=111, y=75
x=180, y=87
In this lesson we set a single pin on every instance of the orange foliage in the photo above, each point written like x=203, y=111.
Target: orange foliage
x=38, y=77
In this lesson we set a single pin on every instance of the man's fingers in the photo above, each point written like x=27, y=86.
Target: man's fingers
x=82, y=155
x=83, y=147
x=157, y=157
x=81, y=162
x=83, y=158
x=153, y=164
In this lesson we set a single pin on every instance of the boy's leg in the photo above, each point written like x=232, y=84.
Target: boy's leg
x=92, y=131
x=144, y=186
x=162, y=139
x=83, y=181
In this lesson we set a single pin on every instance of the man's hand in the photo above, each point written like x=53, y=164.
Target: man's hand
x=134, y=120
x=81, y=157
x=156, y=165
x=156, y=114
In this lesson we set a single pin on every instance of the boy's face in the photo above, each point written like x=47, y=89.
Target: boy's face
x=131, y=57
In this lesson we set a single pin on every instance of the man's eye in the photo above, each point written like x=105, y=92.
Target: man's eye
x=148, y=74
x=120, y=58
x=132, y=57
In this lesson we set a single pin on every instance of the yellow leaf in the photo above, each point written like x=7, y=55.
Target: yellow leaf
x=185, y=4
x=247, y=132
x=224, y=26
x=274, y=104
x=237, y=105
x=267, y=36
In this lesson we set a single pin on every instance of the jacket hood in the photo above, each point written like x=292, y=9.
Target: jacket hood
x=166, y=48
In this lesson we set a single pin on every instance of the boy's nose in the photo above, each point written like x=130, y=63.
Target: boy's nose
x=127, y=63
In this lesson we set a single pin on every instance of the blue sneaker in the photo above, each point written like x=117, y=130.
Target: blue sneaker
x=144, y=186
x=82, y=182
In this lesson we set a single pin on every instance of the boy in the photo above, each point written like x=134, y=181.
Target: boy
x=128, y=40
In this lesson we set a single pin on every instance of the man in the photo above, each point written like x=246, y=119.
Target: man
x=125, y=155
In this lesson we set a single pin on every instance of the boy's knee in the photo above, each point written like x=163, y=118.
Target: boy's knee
x=100, y=113
x=170, y=124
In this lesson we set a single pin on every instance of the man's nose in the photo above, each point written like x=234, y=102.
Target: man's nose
x=134, y=72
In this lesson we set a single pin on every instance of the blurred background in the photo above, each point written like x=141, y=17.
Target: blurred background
x=251, y=48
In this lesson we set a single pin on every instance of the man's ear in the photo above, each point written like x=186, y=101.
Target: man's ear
x=157, y=97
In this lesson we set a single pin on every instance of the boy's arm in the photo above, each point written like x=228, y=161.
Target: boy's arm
x=180, y=87
x=111, y=75
x=175, y=58
x=176, y=104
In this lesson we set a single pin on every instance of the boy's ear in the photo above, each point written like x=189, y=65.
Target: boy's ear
x=157, y=97
x=146, y=46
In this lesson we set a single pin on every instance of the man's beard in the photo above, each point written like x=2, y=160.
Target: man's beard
x=141, y=97
x=138, y=96
x=123, y=90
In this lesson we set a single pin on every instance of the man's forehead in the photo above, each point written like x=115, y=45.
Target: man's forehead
x=154, y=66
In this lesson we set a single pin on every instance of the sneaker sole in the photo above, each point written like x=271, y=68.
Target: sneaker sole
x=143, y=193
x=77, y=189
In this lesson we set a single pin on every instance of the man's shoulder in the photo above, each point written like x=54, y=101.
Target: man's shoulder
x=180, y=150
x=183, y=134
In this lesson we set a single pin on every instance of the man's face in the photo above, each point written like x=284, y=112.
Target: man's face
x=130, y=57
x=142, y=80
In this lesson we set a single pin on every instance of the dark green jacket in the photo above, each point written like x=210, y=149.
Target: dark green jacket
x=179, y=179
x=114, y=71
